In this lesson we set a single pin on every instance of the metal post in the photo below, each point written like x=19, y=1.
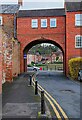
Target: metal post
x=36, y=88
x=42, y=103
x=30, y=80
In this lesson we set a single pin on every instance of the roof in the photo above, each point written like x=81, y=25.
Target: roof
x=41, y=13
x=74, y=6
x=9, y=8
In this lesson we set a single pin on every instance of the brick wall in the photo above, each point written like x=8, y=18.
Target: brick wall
x=71, y=32
x=26, y=35
x=0, y=59
x=10, y=49
x=8, y=24
x=7, y=57
x=16, y=59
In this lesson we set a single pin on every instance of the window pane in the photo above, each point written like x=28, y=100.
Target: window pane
x=52, y=22
x=77, y=16
x=81, y=41
x=78, y=42
x=43, y=23
x=78, y=23
x=81, y=17
x=34, y=23
x=78, y=19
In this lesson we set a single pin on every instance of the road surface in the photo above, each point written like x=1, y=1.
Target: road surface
x=66, y=92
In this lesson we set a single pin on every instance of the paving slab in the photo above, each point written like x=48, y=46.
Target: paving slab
x=19, y=99
x=21, y=110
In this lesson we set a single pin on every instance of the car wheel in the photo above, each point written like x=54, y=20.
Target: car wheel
x=35, y=69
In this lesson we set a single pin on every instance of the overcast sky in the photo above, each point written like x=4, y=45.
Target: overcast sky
x=37, y=4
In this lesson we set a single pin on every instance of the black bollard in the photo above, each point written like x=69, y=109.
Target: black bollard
x=36, y=88
x=30, y=80
x=42, y=103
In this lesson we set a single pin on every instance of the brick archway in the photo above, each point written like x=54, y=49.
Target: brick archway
x=30, y=43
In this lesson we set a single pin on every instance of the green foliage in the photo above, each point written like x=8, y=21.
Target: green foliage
x=43, y=50
x=58, y=62
x=29, y=65
x=32, y=63
x=40, y=65
x=74, y=65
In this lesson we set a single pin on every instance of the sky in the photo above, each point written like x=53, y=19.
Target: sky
x=37, y=4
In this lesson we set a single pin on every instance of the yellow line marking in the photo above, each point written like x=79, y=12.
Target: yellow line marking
x=61, y=110
x=54, y=108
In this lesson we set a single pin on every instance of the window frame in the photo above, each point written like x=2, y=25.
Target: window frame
x=78, y=22
x=42, y=23
x=78, y=41
x=1, y=20
x=55, y=23
x=36, y=23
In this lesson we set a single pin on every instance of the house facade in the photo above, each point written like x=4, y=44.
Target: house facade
x=39, y=30
x=73, y=30
x=33, y=58
x=60, y=27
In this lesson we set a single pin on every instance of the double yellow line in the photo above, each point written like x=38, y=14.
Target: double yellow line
x=49, y=98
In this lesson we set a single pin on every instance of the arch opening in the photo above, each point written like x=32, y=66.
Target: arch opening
x=40, y=41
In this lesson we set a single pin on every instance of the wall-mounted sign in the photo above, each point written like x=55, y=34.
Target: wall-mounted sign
x=25, y=56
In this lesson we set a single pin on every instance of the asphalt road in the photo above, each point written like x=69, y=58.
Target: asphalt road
x=65, y=91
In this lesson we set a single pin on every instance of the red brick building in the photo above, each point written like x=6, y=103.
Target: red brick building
x=58, y=26
x=73, y=30
x=29, y=35
x=22, y=29
x=33, y=58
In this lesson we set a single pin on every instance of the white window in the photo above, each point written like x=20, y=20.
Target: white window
x=78, y=20
x=52, y=22
x=0, y=20
x=34, y=23
x=78, y=41
x=43, y=23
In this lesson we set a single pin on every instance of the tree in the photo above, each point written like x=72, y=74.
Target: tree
x=43, y=49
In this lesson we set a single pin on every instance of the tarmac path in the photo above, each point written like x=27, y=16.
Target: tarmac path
x=65, y=91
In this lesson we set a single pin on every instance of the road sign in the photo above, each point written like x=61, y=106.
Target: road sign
x=25, y=56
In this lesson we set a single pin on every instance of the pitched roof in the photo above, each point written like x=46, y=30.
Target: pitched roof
x=41, y=13
x=73, y=6
x=9, y=8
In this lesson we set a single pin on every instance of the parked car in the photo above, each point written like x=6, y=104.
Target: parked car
x=33, y=68
x=80, y=75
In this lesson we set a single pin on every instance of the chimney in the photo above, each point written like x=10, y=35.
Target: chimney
x=20, y=2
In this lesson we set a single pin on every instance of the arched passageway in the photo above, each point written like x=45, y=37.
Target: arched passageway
x=39, y=41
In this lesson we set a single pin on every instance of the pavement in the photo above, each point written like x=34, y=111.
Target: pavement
x=19, y=99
